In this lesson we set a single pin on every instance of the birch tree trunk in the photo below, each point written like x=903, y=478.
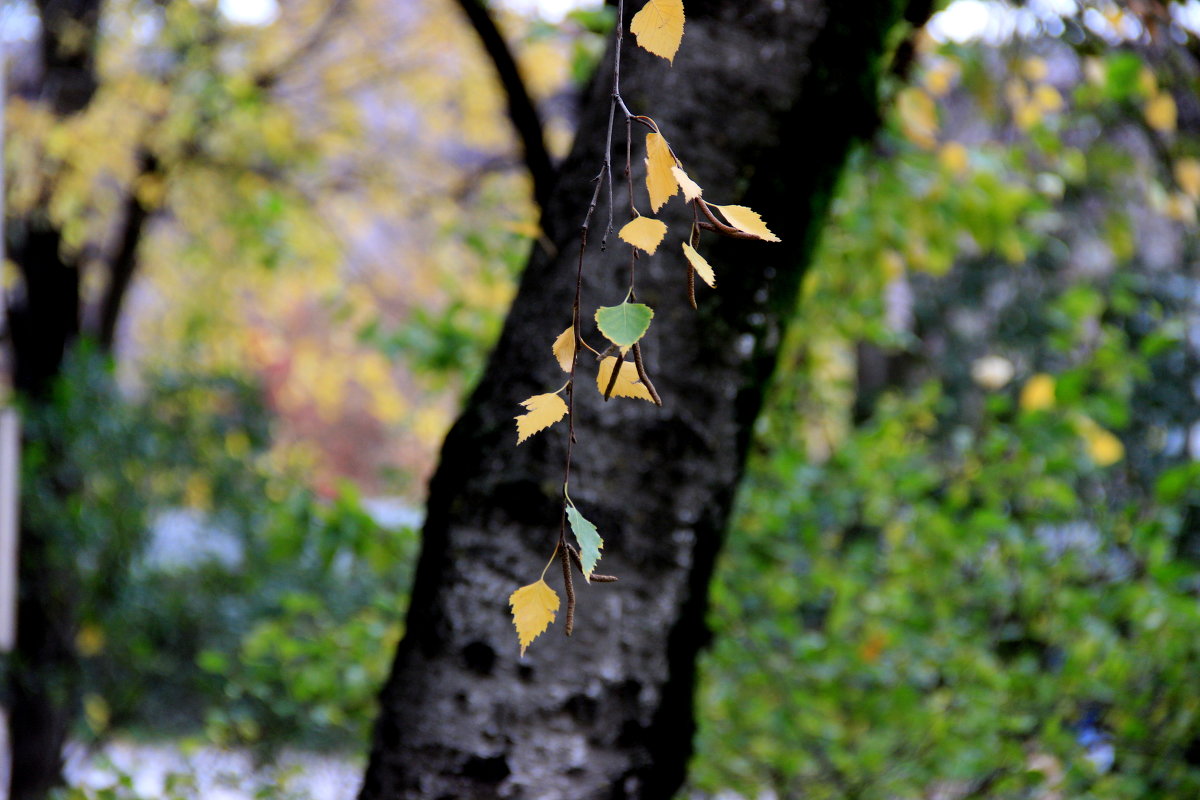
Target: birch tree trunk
x=762, y=104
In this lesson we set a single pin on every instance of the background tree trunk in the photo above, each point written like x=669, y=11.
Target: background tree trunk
x=43, y=322
x=762, y=105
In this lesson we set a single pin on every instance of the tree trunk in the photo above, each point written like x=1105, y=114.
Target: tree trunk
x=43, y=321
x=762, y=104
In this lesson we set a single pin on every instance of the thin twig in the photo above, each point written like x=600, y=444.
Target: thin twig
x=715, y=224
x=618, y=362
x=596, y=577
x=569, y=587
x=641, y=369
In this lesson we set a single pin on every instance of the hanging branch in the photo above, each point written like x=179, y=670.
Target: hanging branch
x=659, y=29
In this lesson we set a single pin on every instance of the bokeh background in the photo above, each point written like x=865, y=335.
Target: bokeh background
x=965, y=561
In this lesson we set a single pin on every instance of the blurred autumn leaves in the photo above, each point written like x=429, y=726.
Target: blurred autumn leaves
x=362, y=201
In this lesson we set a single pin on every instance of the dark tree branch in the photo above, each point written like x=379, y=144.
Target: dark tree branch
x=68, y=45
x=124, y=260
x=267, y=78
x=521, y=110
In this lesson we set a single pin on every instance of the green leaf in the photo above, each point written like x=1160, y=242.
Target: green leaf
x=589, y=540
x=624, y=324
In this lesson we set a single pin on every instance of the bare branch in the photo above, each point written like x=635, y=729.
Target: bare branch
x=521, y=110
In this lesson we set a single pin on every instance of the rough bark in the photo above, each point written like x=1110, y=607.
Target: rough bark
x=762, y=104
x=43, y=322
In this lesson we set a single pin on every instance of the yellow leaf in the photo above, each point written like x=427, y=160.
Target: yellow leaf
x=628, y=384
x=918, y=116
x=1187, y=173
x=1047, y=98
x=659, y=27
x=1038, y=393
x=1035, y=68
x=953, y=156
x=90, y=640
x=564, y=348
x=660, y=181
x=691, y=189
x=700, y=265
x=644, y=233
x=1161, y=113
x=746, y=221
x=1147, y=82
x=533, y=608
x=544, y=411
x=1027, y=115
x=940, y=77
x=1103, y=446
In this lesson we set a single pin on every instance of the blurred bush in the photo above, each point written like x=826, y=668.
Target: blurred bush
x=215, y=587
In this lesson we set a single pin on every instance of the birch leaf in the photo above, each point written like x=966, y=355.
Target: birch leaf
x=533, y=608
x=564, y=349
x=747, y=221
x=544, y=411
x=691, y=189
x=660, y=179
x=624, y=324
x=628, y=383
x=659, y=27
x=1161, y=113
x=590, y=543
x=700, y=265
x=644, y=233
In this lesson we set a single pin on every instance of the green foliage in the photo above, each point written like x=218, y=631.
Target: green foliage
x=280, y=626
x=624, y=324
x=963, y=583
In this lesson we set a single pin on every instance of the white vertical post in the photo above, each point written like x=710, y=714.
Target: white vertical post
x=10, y=473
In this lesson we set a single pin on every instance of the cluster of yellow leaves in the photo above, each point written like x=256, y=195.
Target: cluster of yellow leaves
x=658, y=27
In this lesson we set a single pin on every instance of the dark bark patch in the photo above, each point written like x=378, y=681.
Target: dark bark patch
x=487, y=769
x=479, y=657
x=582, y=708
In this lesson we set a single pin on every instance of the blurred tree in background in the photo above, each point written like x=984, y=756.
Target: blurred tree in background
x=290, y=198
x=962, y=563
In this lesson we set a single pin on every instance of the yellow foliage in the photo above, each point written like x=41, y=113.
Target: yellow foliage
x=644, y=233
x=659, y=27
x=96, y=712
x=1187, y=175
x=90, y=640
x=953, y=157
x=702, y=267
x=691, y=190
x=1102, y=445
x=747, y=221
x=940, y=77
x=660, y=180
x=1038, y=393
x=1147, y=82
x=1034, y=69
x=544, y=411
x=628, y=382
x=1161, y=113
x=564, y=349
x=533, y=609
x=918, y=116
x=1047, y=98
